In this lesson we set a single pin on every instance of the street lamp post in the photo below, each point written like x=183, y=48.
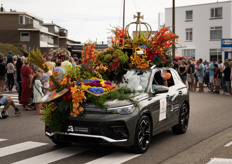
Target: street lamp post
x=123, y=26
x=173, y=28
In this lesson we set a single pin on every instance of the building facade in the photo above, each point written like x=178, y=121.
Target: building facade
x=24, y=29
x=201, y=28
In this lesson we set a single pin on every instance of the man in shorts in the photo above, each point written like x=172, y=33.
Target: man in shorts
x=7, y=101
x=211, y=73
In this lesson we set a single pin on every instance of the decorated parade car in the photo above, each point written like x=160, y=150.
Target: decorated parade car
x=122, y=95
x=150, y=109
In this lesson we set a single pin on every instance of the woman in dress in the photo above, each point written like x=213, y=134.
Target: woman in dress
x=183, y=71
x=26, y=76
x=37, y=92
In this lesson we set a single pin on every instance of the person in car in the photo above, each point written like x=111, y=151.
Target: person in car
x=161, y=77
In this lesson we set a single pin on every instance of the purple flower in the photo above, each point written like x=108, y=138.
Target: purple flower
x=108, y=82
x=95, y=83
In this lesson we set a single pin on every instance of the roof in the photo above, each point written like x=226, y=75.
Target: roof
x=53, y=24
x=229, y=1
x=19, y=13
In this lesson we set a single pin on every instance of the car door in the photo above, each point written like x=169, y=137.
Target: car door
x=158, y=106
x=177, y=91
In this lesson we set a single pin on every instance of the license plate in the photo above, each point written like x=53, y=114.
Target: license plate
x=81, y=129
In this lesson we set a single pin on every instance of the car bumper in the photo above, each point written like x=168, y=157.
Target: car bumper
x=115, y=129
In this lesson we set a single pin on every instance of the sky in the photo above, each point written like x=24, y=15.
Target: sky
x=93, y=19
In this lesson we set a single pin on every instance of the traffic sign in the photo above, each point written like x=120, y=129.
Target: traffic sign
x=226, y=45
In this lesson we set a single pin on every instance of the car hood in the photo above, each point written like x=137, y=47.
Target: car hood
x=137, y=97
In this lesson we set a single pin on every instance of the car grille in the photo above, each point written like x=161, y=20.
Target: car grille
x=116, y=130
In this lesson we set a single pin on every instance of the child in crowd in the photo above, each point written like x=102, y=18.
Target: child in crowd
x=37, y=92
x=217, y=77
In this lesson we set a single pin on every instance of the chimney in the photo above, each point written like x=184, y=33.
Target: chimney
x=2, y=9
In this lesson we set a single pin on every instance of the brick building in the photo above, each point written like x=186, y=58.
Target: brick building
x=25, y=29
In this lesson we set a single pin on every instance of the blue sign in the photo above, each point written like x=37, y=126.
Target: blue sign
x=226, y=45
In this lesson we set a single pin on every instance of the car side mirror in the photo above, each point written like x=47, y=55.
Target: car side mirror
x=156, y=89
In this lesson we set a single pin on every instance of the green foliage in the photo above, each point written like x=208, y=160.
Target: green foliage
x=55, y=114
x=120, y=94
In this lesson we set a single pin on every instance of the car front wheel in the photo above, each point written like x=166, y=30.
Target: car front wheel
x=142, y=135
x=182, y=126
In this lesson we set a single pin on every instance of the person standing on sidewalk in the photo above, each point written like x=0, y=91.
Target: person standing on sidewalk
x=217, y=77
x=27, y=75
x=2, y=75
x=183, y=71
x=19, y=65
x=10, y=69
x=50, y=64
x=200, y=74
x=227, y=72
x=190, y=74
x=37, y=92
x=211, y=73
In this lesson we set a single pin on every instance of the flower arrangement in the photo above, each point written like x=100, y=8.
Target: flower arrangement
x=120, y=38
x=59, y=53
x=88, y=54
x=139, y=61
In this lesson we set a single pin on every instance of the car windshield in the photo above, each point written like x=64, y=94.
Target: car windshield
x=136, y=80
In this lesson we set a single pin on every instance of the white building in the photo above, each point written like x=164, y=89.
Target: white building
x=201, y=28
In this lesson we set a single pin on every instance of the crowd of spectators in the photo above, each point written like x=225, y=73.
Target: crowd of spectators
x=31, y=83
x=216, y=75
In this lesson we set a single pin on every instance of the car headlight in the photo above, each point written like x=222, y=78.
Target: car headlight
x=122, y=110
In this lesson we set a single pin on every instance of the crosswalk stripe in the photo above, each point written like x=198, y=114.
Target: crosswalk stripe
x=219, y=161
x=1, y=139
x=114, y=158
x=19, y=147
x=53, y=156
x=229, y=144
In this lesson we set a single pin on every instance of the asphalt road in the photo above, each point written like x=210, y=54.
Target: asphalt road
x=208, y=139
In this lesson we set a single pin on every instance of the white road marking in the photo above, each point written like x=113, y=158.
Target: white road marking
x=229, y=144
x=114, y=158
x=53, y=156
x=19, y=147
x=2, y=139
x=220, y=161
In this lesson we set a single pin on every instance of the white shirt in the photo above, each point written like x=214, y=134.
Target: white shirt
x=10, y=68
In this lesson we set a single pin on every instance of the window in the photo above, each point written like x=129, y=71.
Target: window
x=20, y=19
x=189, y=15
x=24, y=36
x=158, y=80
x=189, y=53
x=215, y=53
x=216, y=33
x=216, y=12
x=189, y=34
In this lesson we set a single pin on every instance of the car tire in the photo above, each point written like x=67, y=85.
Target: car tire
x=182, y=126
x=61, y=143
x=142, y=135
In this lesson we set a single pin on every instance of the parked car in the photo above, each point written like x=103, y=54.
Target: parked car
x=129, y=124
